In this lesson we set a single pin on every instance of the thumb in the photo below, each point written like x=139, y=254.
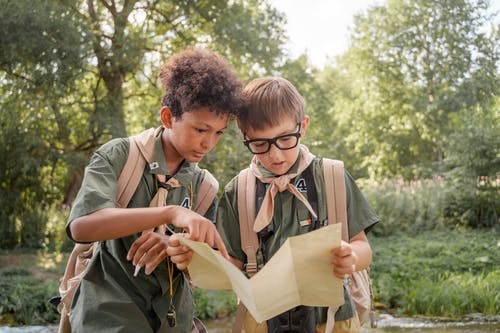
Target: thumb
x=174, y=240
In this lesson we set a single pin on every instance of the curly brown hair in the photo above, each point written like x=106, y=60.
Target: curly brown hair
x=196, y=78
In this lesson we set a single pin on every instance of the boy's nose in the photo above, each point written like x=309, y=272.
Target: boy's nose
x=274, y=151
x=209, y=141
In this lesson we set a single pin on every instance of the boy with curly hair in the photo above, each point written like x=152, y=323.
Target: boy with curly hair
x=201, y=92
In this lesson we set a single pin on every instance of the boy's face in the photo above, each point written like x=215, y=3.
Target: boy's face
x=193, y=135
x=276, y=160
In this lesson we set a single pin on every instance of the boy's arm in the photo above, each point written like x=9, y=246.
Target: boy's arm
x=112, y=223
x=361, y=247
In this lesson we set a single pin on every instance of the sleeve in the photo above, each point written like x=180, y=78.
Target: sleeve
x=99, y=185
x=227, y=221
x=360, y=215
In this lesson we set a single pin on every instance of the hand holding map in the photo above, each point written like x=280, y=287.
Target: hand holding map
x=300, y=273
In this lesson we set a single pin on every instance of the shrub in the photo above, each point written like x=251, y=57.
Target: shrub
x=472, y=203
x=210, y=304
x=25, y=300
x=473, y=160
x=406, y=206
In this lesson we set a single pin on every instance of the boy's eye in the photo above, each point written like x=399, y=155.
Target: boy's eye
x=220, y=133
x=200, y=130
x=258, y=144
x=285, y=139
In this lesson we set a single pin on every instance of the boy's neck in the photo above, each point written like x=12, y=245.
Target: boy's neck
x=173, y=159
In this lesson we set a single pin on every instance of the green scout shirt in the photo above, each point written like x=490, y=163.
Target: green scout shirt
x=110, y=298
x=288, y=212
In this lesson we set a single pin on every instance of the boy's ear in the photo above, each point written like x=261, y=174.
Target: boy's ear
x=305, y=124
x=166, y=117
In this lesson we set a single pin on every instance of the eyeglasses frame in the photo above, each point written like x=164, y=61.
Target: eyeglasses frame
x=274, y=140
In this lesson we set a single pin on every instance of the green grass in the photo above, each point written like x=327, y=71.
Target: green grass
x=438, y=273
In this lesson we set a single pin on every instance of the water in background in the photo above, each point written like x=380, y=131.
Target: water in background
x=385, y=324
x=389, y=324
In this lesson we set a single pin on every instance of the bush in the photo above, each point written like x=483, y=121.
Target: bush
x=211, y=304
x=473, y=161
x=42, y=228
x=472, y=203
x=406, y=206
x=24, y=300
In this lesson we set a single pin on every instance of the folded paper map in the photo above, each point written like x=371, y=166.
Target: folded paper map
x=300, y=273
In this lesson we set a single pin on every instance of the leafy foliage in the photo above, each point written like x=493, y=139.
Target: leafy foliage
x=25, y=299
x=411, y=67
x=473, y=162
x=425, y=272
x=407, y=206
x=214, y=303
x=417, y=87
x=75, y=74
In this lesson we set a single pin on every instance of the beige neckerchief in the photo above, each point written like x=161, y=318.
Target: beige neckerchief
x=281, y=183
x=160, y=198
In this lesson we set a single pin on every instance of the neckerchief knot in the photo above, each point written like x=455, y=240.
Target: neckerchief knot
x=279, y=184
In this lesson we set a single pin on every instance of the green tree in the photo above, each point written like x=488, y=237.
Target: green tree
x=75, y=73
x=473, y=164
x=412, y=65
x=324, y=91
x=39, y=65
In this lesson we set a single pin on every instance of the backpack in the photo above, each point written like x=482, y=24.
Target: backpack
x=359, y=283
x=140, y=152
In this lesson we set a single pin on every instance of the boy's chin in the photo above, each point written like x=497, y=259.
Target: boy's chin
x=279, y=171
x=194, y=159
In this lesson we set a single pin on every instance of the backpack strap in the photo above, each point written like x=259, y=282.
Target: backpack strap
x=141, y=148
x=206, y=193
x=249, y=241
x=359, y=287
x=246, y=214
x=333, y=173
x=141, y=152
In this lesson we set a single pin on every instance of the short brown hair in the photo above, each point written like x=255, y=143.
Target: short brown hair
x=269, y=99
x=196, y=78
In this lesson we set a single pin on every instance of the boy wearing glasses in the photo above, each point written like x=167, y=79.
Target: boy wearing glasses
x=288, y=177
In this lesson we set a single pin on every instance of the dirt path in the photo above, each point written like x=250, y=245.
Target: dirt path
x=40, y=265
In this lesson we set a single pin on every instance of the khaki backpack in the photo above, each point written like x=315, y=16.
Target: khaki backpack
x=359, y=283
x=140, y=152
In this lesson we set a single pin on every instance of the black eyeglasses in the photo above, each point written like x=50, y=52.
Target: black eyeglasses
x=283, y=142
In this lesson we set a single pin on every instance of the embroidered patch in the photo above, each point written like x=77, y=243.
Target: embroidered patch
x=304, y=223
x=301, y=185
x=186, y=203
x=154, y=165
